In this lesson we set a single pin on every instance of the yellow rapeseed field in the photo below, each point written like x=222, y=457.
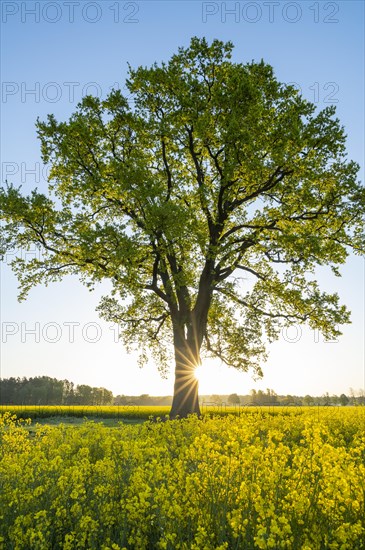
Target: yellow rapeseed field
x=293, y=480
x=81, y=411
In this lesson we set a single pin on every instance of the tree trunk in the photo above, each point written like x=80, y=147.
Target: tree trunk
x=188, y=338
x=185, y=400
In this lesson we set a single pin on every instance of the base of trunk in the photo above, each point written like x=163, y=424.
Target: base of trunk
x=185, y=400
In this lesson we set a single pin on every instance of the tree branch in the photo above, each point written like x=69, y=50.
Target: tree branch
x=167, y=168
x=270, y=226
x=250, y=270
x=240, y=301
x=199, y=179
x=273, y=180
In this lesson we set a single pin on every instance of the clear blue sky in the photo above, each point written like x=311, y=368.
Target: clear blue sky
x=53, y=52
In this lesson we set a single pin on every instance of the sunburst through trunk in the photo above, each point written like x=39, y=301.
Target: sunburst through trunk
x=185, y=400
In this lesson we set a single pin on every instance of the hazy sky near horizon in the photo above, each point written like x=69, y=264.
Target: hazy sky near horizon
x=53, y=53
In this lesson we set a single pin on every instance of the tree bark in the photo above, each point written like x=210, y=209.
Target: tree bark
x=185, y=400
x=189, y=329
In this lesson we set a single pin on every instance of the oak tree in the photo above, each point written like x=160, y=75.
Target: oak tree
x=207, y=197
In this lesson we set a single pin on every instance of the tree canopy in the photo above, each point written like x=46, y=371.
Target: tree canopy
x=207, y=198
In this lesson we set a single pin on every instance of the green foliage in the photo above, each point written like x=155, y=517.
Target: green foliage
x=216, y=173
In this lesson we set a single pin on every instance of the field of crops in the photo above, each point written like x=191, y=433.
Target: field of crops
x=140, y=412
x=132, y=410
x=291, y=479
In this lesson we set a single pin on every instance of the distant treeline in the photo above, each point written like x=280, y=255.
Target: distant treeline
x=43, y=390
x=269, y=397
